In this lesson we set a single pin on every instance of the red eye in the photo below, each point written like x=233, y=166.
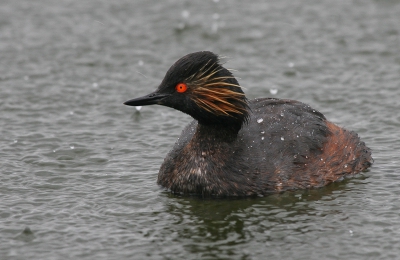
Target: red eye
x=181, y=87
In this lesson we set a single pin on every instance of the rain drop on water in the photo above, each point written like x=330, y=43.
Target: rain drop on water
x=185, y=14
x=273, y=91
x=282, y=138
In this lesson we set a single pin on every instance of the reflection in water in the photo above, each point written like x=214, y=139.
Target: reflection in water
x=207, y=225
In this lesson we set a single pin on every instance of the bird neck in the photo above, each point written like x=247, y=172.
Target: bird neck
x=216, y=133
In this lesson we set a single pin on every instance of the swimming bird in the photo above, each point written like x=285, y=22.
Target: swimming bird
x=240, y=147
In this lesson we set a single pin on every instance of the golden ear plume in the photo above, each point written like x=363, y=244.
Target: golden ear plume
x=212, y=93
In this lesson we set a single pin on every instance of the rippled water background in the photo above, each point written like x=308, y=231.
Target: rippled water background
x=78, y=169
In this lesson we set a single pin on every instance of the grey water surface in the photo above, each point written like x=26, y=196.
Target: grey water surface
x=78, y=169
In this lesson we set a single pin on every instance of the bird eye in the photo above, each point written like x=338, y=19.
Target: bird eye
x=181, y=87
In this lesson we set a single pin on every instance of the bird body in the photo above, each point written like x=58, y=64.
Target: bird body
x=236, y=147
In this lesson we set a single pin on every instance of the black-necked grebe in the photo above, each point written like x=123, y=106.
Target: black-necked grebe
x=236, y=147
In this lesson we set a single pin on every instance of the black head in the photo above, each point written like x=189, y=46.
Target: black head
x=198, y=85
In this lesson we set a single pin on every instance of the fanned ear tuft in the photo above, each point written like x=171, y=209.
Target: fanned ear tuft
x=217, y=93
x=220, y=101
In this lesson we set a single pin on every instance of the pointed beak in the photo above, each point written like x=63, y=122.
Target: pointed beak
x=150, y=99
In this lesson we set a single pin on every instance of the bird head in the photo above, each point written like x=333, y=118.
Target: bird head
x=198, y=85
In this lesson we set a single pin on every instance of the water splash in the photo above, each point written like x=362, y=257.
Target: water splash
x=185, y=14
x=273, y=91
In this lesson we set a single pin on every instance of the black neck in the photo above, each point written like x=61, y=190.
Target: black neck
x=212, y=134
